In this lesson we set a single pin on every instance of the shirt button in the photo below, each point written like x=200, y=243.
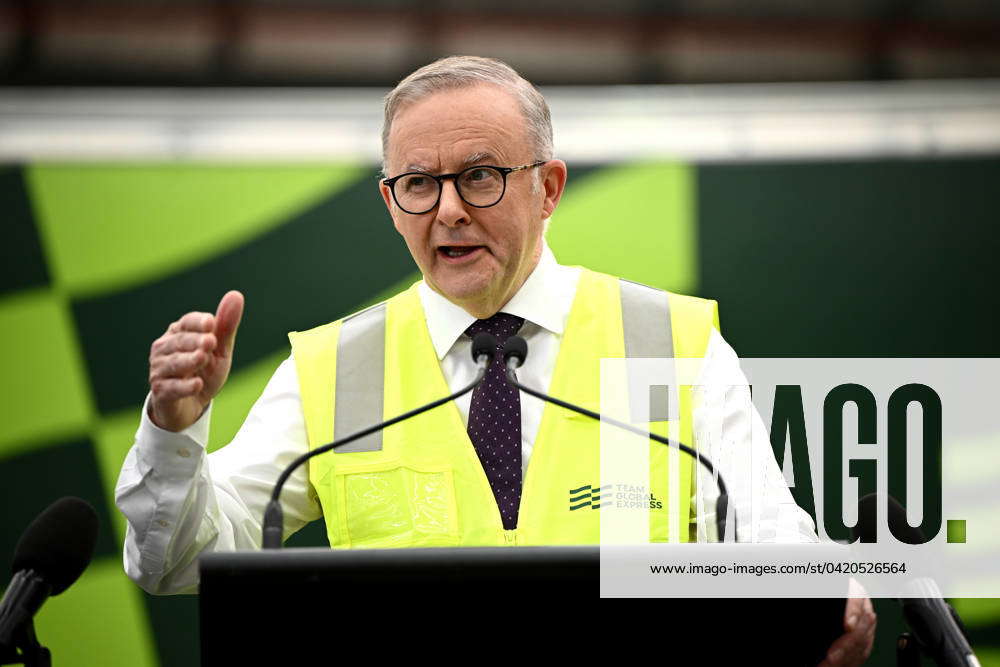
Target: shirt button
x=184, y=452
x=162, y=524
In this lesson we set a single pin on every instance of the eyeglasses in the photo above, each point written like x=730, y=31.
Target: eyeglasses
x=481, y=186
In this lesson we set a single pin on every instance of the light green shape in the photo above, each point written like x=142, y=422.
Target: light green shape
x=44, y=387
x=230, y=407
x=976, y=612
x=99, y=620
x=636, y=221
x=956, y=531
x=988, y=657
x=110, y=227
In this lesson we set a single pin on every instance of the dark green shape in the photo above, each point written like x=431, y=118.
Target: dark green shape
x=36, y=478
x=956, y=531
x=879, y=258
x=316, y=268
x=174, y=619
x=313, y=534
x=22, y=262
x=833, y=449
x=788, y=418
x=930, y=404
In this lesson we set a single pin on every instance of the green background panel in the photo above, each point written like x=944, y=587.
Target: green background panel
x=798, y=255
x=109, y=227
x=44, y=388
x=326, y=258
x=636, y=221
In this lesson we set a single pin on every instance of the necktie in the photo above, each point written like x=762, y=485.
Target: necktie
x=495, y=421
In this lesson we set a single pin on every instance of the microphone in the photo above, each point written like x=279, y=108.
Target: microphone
x=515, y=351
x=52, y=553
x=935, y=623
x=483, y=347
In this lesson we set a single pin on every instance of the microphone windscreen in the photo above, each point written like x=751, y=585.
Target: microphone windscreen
x=483, y=343
x=517, y=348
x=59, y=543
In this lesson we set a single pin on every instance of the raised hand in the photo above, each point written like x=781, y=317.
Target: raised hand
x=190, y=362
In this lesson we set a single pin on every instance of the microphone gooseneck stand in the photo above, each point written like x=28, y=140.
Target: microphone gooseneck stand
x=483, y=347
x=24, y=649
x=515, y=351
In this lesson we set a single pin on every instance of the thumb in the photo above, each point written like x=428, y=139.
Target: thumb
x=227, y=321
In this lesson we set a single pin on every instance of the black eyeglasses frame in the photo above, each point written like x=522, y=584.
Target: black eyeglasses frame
x=504, y=171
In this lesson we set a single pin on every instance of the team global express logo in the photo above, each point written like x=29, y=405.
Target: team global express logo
x=612, y=495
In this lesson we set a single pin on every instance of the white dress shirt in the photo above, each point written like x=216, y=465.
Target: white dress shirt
x=179, y=501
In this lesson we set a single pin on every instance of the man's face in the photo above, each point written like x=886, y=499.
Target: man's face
x=475, y=257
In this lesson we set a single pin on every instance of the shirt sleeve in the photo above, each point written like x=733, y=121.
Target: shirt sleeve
x=730, y=432
x=180, y=502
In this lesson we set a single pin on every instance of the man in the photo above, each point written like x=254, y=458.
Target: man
x=467, y=146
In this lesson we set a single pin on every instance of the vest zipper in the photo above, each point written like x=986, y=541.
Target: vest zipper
x=510, y=537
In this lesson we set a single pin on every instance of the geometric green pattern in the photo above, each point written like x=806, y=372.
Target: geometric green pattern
x=109, y=227
x=637, y=221
x=104, y=228
x=99, y=620
x=44, y=389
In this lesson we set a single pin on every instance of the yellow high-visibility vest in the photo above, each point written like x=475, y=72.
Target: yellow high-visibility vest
x=420, y=483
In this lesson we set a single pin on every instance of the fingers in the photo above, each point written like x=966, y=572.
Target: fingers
x=193, y=322
x=188, y=358
x=173, y=389
x=182, y=342
x=227, y=320
x=852, y=612
x=177, y=365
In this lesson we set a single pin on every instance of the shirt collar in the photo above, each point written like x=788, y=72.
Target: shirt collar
x=544, y=299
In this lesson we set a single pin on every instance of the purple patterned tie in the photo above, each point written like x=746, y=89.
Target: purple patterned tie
x=495, y=421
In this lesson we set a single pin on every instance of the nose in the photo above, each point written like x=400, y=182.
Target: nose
x=451, y=209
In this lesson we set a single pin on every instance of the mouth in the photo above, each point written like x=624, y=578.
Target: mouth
x=459, y=254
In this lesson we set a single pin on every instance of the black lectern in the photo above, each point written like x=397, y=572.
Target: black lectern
x=292, y=605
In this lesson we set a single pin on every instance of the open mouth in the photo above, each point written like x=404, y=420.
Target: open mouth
x=459, y=252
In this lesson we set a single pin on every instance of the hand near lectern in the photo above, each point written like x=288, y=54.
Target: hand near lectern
x=190, y=362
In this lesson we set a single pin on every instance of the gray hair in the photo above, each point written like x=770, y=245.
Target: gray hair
x=463, y=71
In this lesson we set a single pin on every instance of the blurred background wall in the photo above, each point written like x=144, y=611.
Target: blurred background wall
x=375, y=42
x=830, y=173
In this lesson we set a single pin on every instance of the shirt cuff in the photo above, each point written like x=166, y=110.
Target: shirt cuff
x=164, y=450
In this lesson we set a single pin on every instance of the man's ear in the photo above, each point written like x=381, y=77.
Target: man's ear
x=553, y=183
x=389, y=203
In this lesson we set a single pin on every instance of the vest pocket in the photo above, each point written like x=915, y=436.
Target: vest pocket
x=394, y=505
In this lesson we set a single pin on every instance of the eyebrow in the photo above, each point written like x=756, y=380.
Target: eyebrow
x=482, y=156
x=475, y=158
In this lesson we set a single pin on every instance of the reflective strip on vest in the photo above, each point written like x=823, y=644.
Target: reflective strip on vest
x=360, y=379
x=648, y=333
